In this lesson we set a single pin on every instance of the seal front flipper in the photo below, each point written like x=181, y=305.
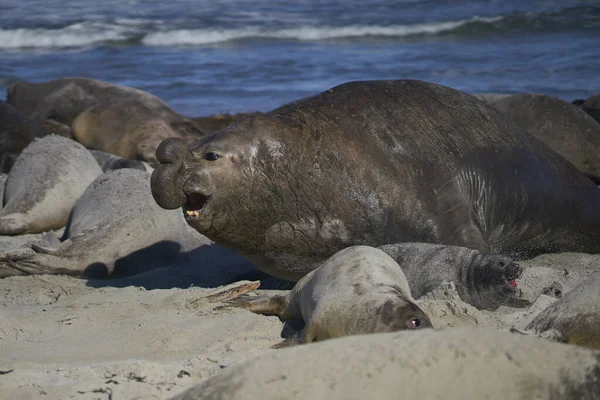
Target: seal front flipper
x=13, y=224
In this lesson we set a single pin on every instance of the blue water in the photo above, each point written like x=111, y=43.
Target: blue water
x=206, y=57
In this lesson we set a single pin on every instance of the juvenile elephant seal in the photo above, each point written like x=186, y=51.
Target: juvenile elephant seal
x=574, y=318
x=109, y=162
x=16, y=131
x=566, y=129
x=114, y=224
x=128, y=130
x=373, y=163
x=357, y=290
x=444, y=364
x=44, y=183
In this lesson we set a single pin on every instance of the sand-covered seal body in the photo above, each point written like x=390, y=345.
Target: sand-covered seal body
x=356, y=291
x=566, y=129
x=44, y=183
x=376, y=163
x=115, y=224
x=574, y=318
x=17, y=130
x=449, y=364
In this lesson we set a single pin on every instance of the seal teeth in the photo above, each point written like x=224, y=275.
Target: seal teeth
x=193, y=213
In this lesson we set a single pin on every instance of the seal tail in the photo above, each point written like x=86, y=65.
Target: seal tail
x=13, y=224
x=264, y=305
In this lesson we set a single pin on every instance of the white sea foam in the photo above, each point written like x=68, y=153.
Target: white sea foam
x=75, y=35
x=89, y=33
x=308, y=33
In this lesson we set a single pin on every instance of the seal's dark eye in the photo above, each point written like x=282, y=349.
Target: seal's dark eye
x=415, y=322
x=211, y=156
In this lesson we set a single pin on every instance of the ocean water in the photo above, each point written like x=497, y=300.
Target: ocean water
x=206, y=57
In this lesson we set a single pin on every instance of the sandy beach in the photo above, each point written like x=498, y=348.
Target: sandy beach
x=62, y=337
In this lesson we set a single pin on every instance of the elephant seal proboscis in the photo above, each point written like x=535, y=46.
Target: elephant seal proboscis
x=562, y=126
x=449, y=364
x=357, y=290
x=44, y=183
x=114, y=223
x=376, y=163
x=574, y=318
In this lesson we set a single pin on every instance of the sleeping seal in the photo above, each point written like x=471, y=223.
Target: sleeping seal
x=574, y=318
x=357, y=290
x=448, y=364
x=376, y=163
x=17, y=130
x=44, y=183
x=114, y=224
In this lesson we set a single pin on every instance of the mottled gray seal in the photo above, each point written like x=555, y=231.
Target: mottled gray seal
x=567, y=130
x=591, y=106
x=449, y=364
x=357, y=290
x=126, y=129
x=44, y=183
x=17, y=130
x=109, y=162
x=376, y=163
x=61, y=100
x=574, y=318
x=114, y=224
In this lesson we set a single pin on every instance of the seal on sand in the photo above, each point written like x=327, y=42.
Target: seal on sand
x=574, y=318
x=128, y=130
x=376, y=163
x=566, y=129
x=444, y=364
x=114, y=225
x=62, y=100
x=44, y=183
x=17, y=130
x=358, y=290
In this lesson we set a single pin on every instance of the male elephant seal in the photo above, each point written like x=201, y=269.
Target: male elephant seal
x=17, y=130
x=109, y=162
x=566, y=129
x=115, y=224
x=574, y=318
x=449, y=364
x=375, y=163
x=44, y=184
x=358, y=290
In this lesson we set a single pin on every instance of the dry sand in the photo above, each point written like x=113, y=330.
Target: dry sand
x=62, y=337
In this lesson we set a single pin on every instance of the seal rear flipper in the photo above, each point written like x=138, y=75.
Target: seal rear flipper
x=29, y=262
x=263, y=304
x=13, y=224
x=43, y=249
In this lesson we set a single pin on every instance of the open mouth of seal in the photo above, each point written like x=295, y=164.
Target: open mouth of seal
x=194, y=203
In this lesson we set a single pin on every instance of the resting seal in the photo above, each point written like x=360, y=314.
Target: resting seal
x=567, y=130
x=376, y=163
x=125, y=129
x=115, y=224
x=357, y=290
x=574, y=318
x=62, y=100
x=591, y=106
x=44, y=184
x=449, y=364
x=17, y=130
